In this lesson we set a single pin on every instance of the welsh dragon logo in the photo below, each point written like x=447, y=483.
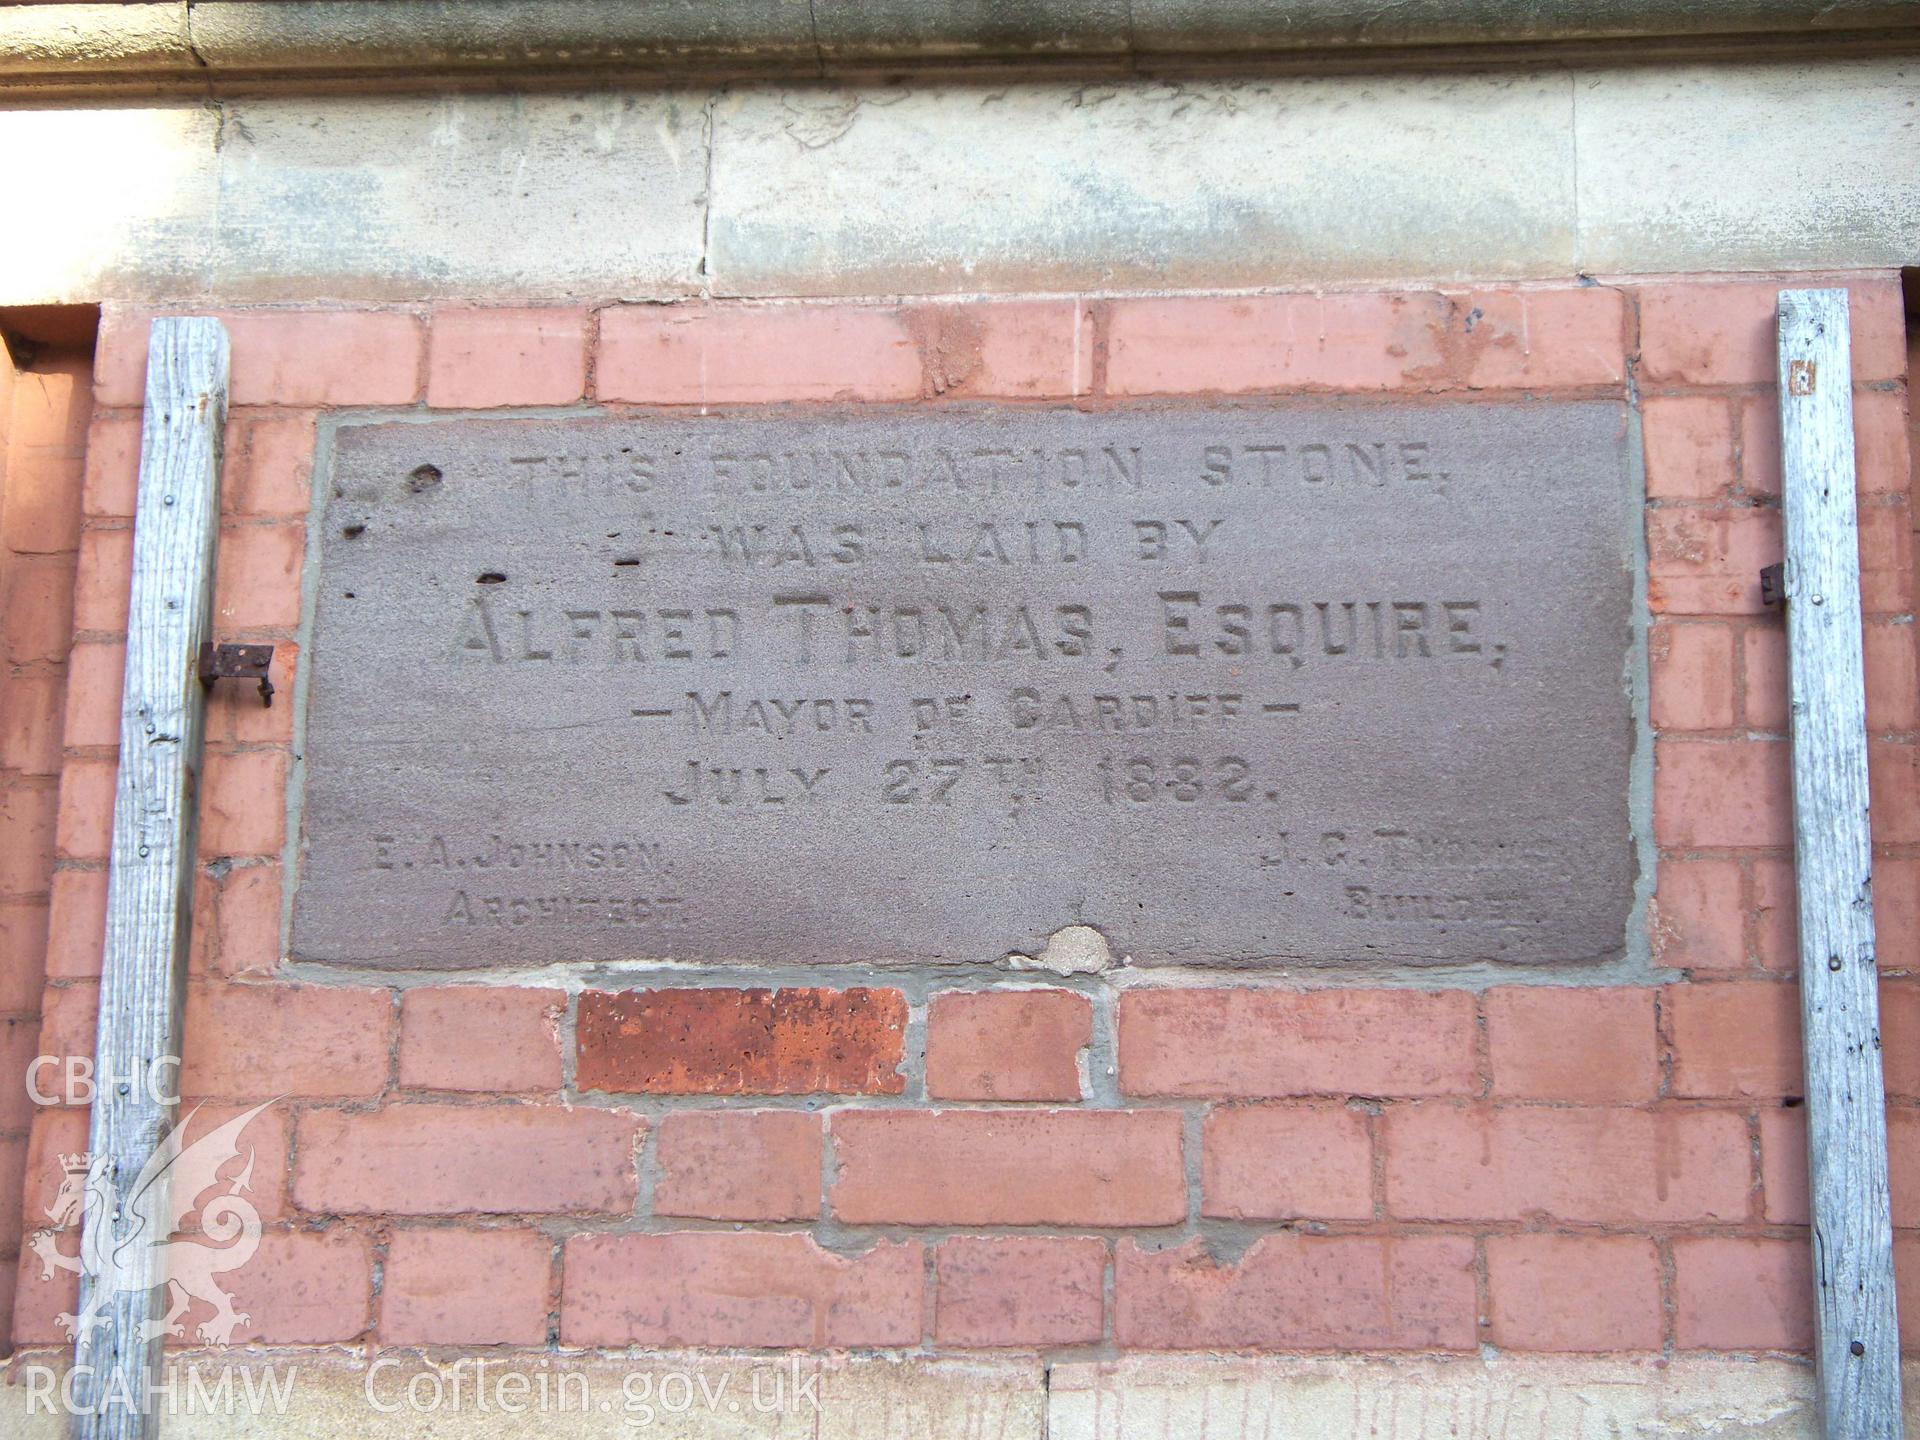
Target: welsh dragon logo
x=228, y=1222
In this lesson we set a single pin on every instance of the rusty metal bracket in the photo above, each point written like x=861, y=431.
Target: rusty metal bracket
x=1773, y=585
x=237, y=662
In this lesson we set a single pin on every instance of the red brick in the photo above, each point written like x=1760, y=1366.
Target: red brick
x=1900, y=1037
x=69, y=1021
x=1251, y=1044
x=1893, y=791
x=303, y=1287
x=1299, y=1292
x=1734, y=1040
x=1277, y=342
x=1764, y=679
x=101, y=582
x=1880, y=443
x=1604, y=1166
x=1007, y=1044
x=31, y=709
x=19, y=1068
x=325, y=357
x=120, y=356
x=38, y=609
x=1742, y=1294
x=255, y=1042
x=1896, y=912
x=1287, y=1162
x=1776, y=915
x=1023, y=349
x=1707, y=562
x=87, y=790
x=1697, y=920
x=96, y=671
x=739, y=1165
x=742, y=1042
x=1587, y=1046
x=466, y=1287
x=27, y=819
x=1886, y=558
x=1692, y=674
x=483, y=357
x=1712, y=793
x=13, y=1174
x=1021, y=1167
x=1723, y=333
x=1019, y=1290
x=257, y=577
x=1906, y=1290
x=448, y=1160
x=235, y=715
x=246, y=927
x=262, y=1156
x=267, y=469
x=46, y=459
x=23, y=950
x=112, y=477
x=1783, y=1164
x=1689, y=446
x=1543, y=338
x=758, y=1290
x=243, y=803
x=698, y=354
x=481, y=1037
x=1893, y=680
x=56, y=1135
x=38, y=1297
x=1573, y=1292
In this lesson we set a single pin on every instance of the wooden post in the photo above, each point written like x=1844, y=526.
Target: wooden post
x=1857, y=1343
x=150, y=879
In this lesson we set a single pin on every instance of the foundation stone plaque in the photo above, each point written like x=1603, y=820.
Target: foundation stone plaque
x=1233, y=684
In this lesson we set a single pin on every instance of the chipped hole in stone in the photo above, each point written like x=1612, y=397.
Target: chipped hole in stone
x=352, y=530
x=490, y=577
x=423, y=478
x=626, y=562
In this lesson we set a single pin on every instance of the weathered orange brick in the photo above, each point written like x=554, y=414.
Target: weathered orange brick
x=96, y=671
x=1734, y=1040
x=1299, y=1292
x=1893, y=791
x=1879, y=434
x=1605, y=1166
x=112, y=478
x=481, y=1037
x=759, y=1290
x=1734, y=1293
x=1019, y=1290
x=739, y=1165
x=302, y=1287
x=38, y=607
x=1573, y=1292
x=31, y=710
x=1022, y=1167
x=1764, y=677
x=1900, y=1037
x=46, y=457
x=1585, y=1046
x=1708, y=562
x=13, y=1174
x=235, y=715
x=77, y=925
x=478, y=357
x=261, y=1160
x=1276, y=342
x=1893, y=680
x=87, y=791
x=247, y=921
x=1886, y=558
x=257, y=577
x=1689, y=447
x=1896, y=912
x=19, y=1053
x=1542, y=338
x=101, y=582
x=28, y=818
x=69, y=1022
x=120, y=356
x=412, y=1159
x=1723, y=332
x=466, y=1287
x=1696, y=920
x=742, y=1042
x=698, y=354
x=243, y=802
x=1691, y=667
x=1251, y=1044
x=1286, y=1162
x=267, y=467
x=1713, y=793
x=325, y=357
x=1783, y=1165
x=256, y=1042
x=56, y=1134
x=23, y=949
x=1776, y=915
x=1007, y=1044
x=40, y=1296
x=1023, y=349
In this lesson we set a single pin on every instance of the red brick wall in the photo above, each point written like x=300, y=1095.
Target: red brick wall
x=1060, y=1165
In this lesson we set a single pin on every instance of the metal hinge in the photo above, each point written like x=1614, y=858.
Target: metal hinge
x=1773, y=584
x=237, y=662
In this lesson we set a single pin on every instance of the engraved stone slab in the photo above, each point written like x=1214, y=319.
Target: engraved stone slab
x=1328, y=682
